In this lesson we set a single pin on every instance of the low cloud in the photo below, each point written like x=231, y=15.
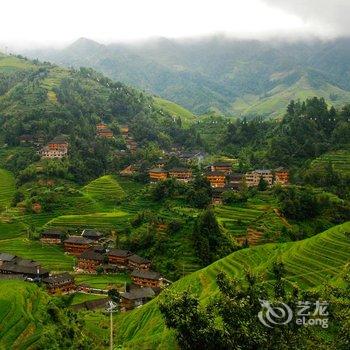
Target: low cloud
x=329, y=16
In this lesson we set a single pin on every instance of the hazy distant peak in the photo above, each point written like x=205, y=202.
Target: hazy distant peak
x=85, y=43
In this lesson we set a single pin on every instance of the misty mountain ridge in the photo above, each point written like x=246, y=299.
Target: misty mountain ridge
x=230, y=76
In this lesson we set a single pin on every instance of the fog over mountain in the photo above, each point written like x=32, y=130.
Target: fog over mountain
x=217, y=73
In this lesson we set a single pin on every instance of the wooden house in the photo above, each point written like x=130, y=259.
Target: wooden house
x=281, y=176
x=224, y=167
x=61, y=283
x=181, y=174
x=135, y=297
x=157, y=174
x=106, y=133
x=252, y=179
x=59, y=143
x=90, y=260
x=124, y=129
x=217, y=179
x=51, y=237
x=144, y=278
x=26, y=268
x=137, y=262
x=119, y=257
x=217, y=195
x=94, y=235
x=77, y=244
x=235, y=181
x=5, y=258
x=128, y=171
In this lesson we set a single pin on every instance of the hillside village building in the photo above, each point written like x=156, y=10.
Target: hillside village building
x=57, y=148
x=104, y=131
x=224, y=167
x=94, y=235
x=252, y=179
x=77, y=244
x=51, y=237
x=235, y=181
x=137, y=262
x=59, y=284
x=181, y=174
x=90, y=260
x=146, y=278
x=217, y=179
x=157, y=174
x=26, y=268
x=119, y=257
x=281, y=176
x=136, y=297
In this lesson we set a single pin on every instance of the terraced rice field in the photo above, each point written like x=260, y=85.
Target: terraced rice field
x=235, y=219
x=310, y=262
x=7, y=189
x=339, y=159
x=106, y=191
x=20, y=309
x=51, y=257
x=114, y=220
x=103, y=281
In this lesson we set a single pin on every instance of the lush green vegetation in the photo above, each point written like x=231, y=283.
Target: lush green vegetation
x=235, y=77
x=310, y=263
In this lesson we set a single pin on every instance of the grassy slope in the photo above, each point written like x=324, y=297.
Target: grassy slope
x=339, y=159
x=276, y=100
x=7, y=188
x=21, y=305
x=310, y=262
x=187, y=117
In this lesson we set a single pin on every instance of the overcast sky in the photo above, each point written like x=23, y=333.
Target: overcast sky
x=47, y=22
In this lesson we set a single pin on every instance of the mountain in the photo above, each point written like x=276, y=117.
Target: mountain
x=235, y=77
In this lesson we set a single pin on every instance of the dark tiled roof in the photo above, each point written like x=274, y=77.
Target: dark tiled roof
x=91, y=305
x=91, y=233
x=59, y=139
x=151, y=275
x=60, y=278
x=78, y=240
x=157, y=170
x=139, y=293
x=138, y=259
x=11, y=267
x=91, y=254
x=119, y=252
x=180, y=170
x=6, y=257
x=51, y=233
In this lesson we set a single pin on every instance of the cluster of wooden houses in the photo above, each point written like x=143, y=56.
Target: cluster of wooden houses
x=131, y=144
x=92, y=257
x=160, y=174
x=56, y=148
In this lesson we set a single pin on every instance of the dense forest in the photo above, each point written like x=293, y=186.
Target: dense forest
x=44, y=101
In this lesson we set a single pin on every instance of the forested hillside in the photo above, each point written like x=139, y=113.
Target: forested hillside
x=235, y=77
x=39, y=101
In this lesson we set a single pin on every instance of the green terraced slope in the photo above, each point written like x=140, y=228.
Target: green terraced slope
x=339, y=159
x=106, y=191
x=187, y=117
x=310, y=262
x=21, y=310
x=7, y=189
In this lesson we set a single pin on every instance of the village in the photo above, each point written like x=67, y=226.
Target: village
x=95, y=253
x=91, y=258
